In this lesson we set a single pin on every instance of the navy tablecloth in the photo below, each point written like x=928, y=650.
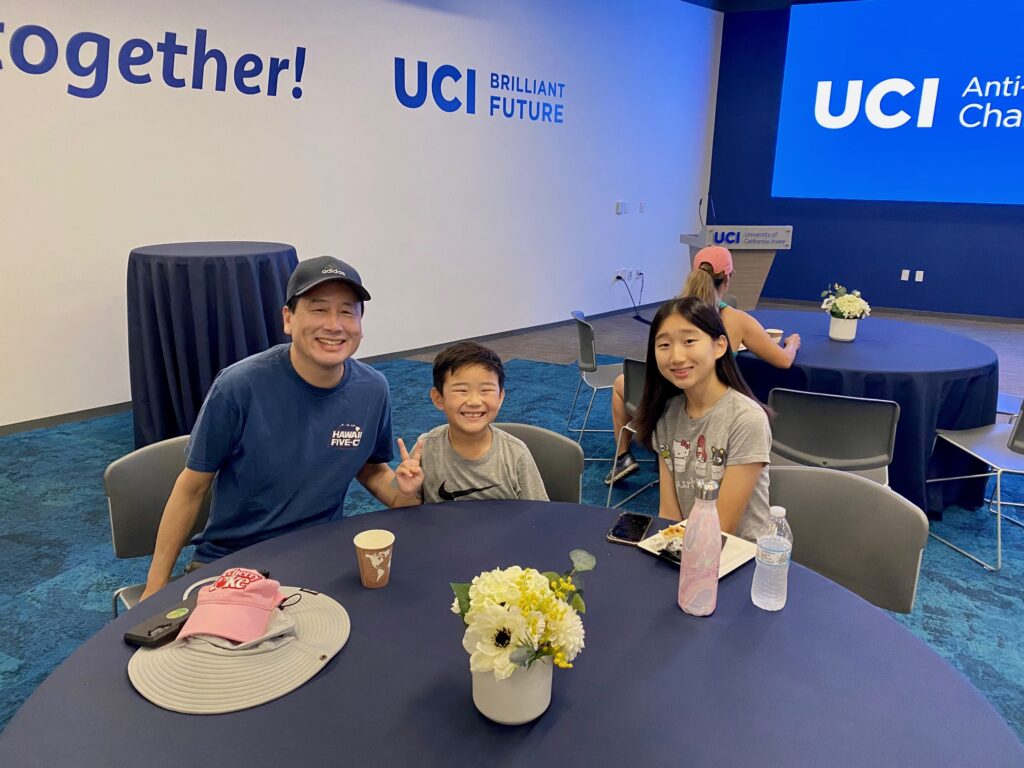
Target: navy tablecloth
x=193, y=309
x=940, y=380
x=829, y=680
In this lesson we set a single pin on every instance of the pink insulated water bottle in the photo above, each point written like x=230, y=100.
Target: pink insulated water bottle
x=702, y=552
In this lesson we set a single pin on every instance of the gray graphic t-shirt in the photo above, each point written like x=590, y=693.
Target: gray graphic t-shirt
x=506, y=471
x=734, y=431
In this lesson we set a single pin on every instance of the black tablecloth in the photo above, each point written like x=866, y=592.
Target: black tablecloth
x=940, y=380
x=829, y=680
x=193, y=309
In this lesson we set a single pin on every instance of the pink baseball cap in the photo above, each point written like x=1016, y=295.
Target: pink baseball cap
x=236, y=607
x=718, y=257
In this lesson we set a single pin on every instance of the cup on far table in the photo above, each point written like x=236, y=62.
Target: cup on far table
x=373, y=553
x=775, y=334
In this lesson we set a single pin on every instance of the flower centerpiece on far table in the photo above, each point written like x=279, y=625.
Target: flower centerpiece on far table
x=845, y=308
x=520, y=623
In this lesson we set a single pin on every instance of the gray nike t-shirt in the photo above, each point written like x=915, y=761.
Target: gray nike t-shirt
x=506, y=471
x=734, y=431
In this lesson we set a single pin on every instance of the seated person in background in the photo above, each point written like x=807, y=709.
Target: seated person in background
x=697, y=411
x=283, y=432
x=467, y=458
x=709, y=281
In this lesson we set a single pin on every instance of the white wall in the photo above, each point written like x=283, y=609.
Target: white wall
x=461, y=225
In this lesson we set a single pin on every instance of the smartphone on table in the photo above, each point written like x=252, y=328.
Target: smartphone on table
x=630, y=528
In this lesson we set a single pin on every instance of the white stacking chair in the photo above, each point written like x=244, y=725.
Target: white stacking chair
x=1001, y=447
x=593, y=375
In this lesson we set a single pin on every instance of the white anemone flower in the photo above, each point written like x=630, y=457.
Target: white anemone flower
x=492, y=634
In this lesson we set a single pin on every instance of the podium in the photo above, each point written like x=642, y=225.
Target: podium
x=753, y=251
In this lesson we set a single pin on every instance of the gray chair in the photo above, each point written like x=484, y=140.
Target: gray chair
x=856, y=532
x=807, y=425
x=593, y=375
x=633, y=374
x=137, y=487
x=1001, y=447
x=559, y=459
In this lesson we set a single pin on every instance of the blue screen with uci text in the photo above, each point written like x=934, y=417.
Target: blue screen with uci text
x=903, y=100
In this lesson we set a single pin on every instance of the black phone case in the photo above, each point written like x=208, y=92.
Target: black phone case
x=163, y=627
x=611, y=537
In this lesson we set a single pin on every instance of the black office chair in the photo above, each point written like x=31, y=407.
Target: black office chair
x=807, y=426
x=633, y=373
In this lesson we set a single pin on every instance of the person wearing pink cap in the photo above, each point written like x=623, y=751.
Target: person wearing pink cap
x=709, y=281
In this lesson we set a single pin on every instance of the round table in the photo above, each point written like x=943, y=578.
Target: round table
x=193, y=309
x=829, y=680
x=940, y=380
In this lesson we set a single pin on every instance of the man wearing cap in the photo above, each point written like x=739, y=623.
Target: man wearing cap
x=283, y=432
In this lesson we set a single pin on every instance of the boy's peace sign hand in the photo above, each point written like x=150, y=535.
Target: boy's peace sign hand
x=409, y=474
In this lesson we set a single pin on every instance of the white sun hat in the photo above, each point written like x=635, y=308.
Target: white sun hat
x=207, y=675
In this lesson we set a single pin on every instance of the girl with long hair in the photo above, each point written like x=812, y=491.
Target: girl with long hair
x=697, y=409
x=709, y=280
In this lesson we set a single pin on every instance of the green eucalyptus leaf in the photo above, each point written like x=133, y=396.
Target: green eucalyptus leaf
x=462, y=593
x=578, y=604
x=521, y=656
x=582, y=560
x=551, y=576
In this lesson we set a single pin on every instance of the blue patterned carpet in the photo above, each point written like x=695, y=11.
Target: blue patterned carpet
x=57, y=568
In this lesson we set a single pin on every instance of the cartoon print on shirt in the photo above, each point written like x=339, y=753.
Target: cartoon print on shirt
x=718, y=456
x=702, y=453
x=681, y=451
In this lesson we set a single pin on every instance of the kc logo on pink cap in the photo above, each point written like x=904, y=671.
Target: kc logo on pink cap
x=236, y=606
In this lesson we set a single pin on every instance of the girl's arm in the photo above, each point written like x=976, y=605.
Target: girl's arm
x=760, y=343
x=668, y=502
x=737, y=486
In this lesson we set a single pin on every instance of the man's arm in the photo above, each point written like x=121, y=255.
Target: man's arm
x=179, y=516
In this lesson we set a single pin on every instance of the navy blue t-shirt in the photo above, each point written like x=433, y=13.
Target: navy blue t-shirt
x=284, y=451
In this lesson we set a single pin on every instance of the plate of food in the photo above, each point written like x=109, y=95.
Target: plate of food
x=668, y=543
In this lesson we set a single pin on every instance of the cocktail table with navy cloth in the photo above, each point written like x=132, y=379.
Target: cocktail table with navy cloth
x=193, y=309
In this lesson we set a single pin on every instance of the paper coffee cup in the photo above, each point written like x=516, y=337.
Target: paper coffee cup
x=373, y=553
x=775, y=334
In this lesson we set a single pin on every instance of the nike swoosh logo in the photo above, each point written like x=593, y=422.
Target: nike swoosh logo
x=447, y=495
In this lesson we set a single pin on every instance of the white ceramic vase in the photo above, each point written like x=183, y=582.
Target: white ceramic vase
x=517, y=699
x=842, y=328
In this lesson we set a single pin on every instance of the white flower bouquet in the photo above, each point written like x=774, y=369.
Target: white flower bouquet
x=516, y=616
x=844, y=304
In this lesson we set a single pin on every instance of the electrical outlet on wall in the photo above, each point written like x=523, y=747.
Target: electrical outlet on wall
x=905, y=275
x=919, y=276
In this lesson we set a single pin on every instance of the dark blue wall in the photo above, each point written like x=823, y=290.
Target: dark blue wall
x=972, y=255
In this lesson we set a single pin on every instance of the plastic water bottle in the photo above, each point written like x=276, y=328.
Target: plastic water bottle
x=702, y=552
x=774, y=545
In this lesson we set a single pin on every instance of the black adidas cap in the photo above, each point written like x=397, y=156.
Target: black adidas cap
x=313, y=272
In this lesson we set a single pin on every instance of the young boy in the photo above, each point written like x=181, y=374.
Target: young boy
x=467, y=458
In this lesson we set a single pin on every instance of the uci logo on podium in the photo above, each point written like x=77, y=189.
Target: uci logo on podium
x=730, y=238
x=873, y=103
x=436, y=85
